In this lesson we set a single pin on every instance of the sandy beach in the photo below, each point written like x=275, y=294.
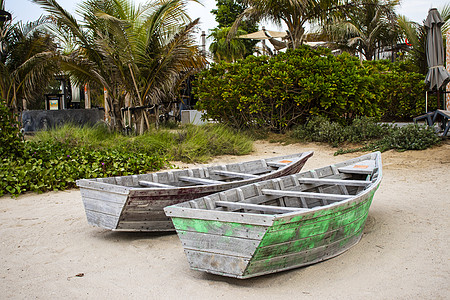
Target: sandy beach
x=49, y=251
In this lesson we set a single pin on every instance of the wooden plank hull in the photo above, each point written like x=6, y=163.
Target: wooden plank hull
x=262, y=243
x=119, y=203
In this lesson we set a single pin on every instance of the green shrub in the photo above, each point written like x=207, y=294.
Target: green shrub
x=401, y=91
x=321, y=129
x=365, y=129
x=56, y=166
x=380, y=137
x=54, y=160
x=285, y=90
x=281, y=91
x=410, y=137
x=10, y=137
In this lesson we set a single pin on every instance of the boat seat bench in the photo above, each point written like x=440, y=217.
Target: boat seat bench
x=234, y=174
x=199, y=180
x=365, y=167
x=334, y=181
x=323, y=196
x=154, y=184
x=264, y=208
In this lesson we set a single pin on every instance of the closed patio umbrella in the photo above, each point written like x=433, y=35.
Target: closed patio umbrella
x=437, y=75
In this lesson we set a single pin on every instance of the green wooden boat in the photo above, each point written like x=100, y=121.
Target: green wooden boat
x=279, y=224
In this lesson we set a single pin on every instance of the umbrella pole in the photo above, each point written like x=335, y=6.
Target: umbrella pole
x=426, y=101
x=438, y=98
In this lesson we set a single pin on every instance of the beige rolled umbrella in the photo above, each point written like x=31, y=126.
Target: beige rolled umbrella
x=437, y=75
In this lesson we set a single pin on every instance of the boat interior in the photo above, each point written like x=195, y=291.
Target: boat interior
x=299, y=192
x=208, y=175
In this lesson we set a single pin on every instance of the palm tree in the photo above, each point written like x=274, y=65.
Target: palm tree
x=226, y=13
x=137, y=52
x=224, y=49
x=417, y=36
x=365, y=26
x=293, y=13
x=28, y=61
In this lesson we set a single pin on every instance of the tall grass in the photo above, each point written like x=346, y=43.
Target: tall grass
x=199, y=143
x=188, y=143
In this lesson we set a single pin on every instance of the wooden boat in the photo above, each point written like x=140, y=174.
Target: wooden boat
x=135, y=203
x=279, y=224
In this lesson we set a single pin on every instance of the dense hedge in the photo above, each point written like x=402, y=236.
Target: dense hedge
x=400, y=90
x=281, y=91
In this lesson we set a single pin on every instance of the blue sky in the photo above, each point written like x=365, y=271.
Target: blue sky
x=25, y=10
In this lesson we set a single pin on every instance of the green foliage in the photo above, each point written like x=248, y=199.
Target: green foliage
x=56, y=166
x=379, y=137
x=28, y=61
x=143, y=51
x=410, y=137
x=401, y=90
x=321, y=129
x=55, y=159
x=279, y=92
x=199, y=143
x=10, y=137
x=365, y=26
x=365, y=129
x=226, y=13
x=224, y=49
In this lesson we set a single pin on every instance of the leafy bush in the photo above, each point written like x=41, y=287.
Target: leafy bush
x=321, y=129
x=401, y=92
x=10, y=137
x=281, y=91
x=56, y=166
x=365, y=129
x=410, y=137
x=381, y=137
x=54, y=160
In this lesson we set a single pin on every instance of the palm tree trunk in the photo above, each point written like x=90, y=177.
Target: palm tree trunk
x=139, y=97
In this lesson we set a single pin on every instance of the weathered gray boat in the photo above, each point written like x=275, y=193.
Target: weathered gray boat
x=281, y=223
x=135, y=203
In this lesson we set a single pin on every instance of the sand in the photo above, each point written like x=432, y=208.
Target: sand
x=48, y=251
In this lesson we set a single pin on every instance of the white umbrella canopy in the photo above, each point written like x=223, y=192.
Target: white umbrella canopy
x=437, y=75
x=268, y=35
